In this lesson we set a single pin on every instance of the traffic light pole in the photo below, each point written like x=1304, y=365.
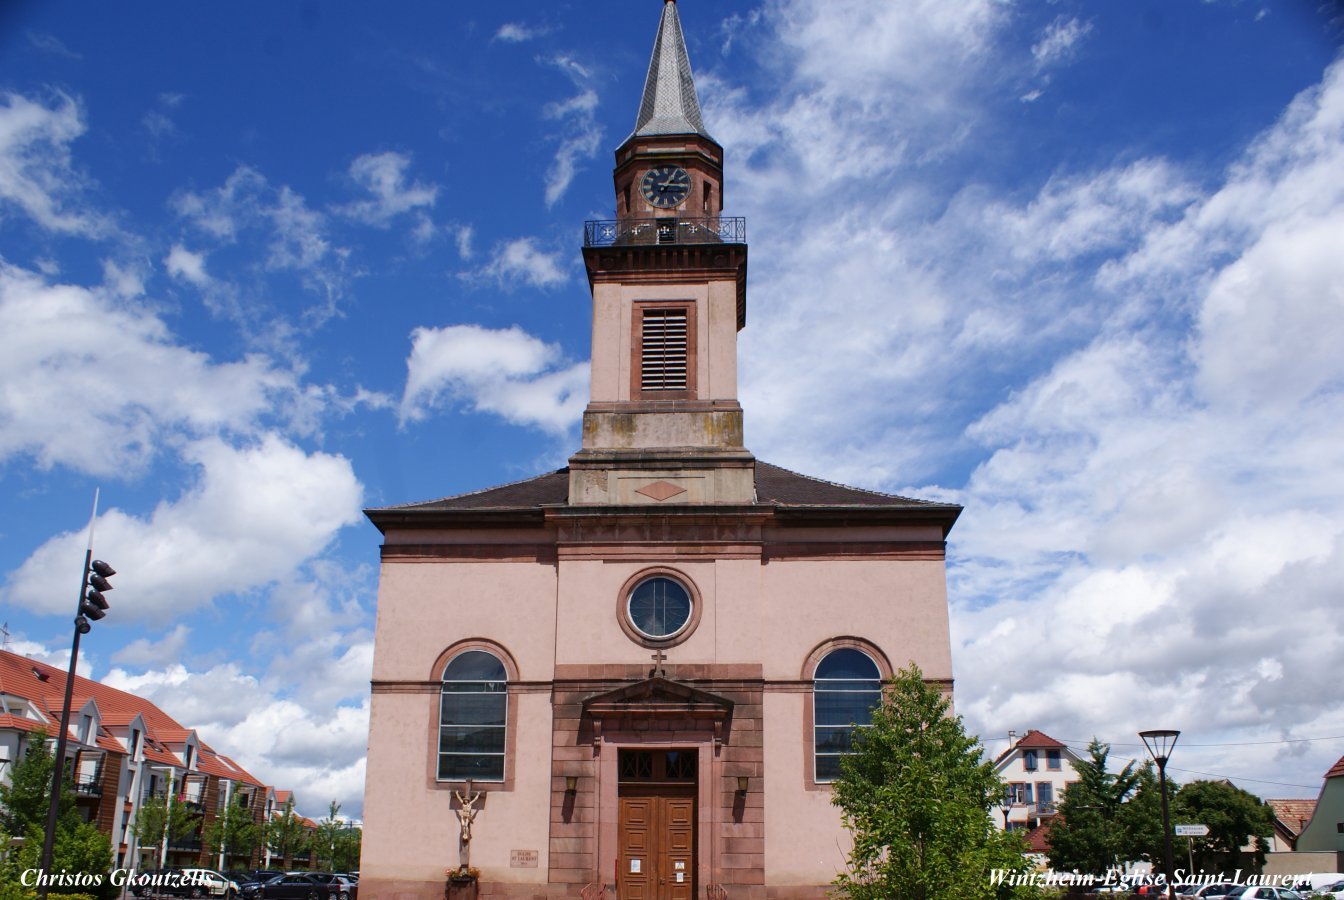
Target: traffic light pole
x=97, y=573
x=58, y=769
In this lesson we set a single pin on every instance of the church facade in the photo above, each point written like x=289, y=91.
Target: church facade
x=634, y=677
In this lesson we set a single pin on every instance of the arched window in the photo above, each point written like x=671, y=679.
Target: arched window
x=847, y=687
x=473, y=710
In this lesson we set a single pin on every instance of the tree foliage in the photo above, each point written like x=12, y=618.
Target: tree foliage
x=166, y=816
x=1107, y=818
x=232, y=831
x=78, y=846
x=1235, y=818
x=916, y=795
x=286, y=835
x=335, y=844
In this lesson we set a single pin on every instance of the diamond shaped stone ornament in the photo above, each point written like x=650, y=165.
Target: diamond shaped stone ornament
x=660, y=490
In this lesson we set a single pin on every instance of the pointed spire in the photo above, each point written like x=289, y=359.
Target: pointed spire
x=669, y=105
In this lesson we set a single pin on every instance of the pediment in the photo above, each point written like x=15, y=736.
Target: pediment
x=658, y=697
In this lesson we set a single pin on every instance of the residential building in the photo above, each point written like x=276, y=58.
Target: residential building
x=1325, y=832
x=637, y=674
x=1290, y=818
x=1036, y=770
x=123, y=750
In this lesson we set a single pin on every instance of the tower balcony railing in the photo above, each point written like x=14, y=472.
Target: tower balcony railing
x=669, y=230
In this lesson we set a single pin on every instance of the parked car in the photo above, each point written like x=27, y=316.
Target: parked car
x=296, y=886
x=210, y=883
x=342, y=886
x=250, y=887
x=1253, y=892
x=1334, y=891
x=1220, y=889
x=157, y=883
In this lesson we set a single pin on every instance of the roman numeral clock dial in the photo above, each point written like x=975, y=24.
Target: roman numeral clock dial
x=666, y=186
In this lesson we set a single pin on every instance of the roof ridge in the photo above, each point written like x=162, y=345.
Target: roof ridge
x=850, y=487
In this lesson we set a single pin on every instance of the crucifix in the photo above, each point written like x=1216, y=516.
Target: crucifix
x=466, y=814
x=658, y=664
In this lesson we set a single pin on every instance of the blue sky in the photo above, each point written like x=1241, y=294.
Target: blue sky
x=1077, y=266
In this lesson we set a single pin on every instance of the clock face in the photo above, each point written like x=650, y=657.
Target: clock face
x=666, y=186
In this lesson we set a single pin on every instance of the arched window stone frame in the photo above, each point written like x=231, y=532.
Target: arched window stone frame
x=454, y=779
x=813, y=778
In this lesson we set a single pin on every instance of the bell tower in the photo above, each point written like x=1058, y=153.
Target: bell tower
x=668, y=277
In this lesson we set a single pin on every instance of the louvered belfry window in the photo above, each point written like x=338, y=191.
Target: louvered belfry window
x=663, y=350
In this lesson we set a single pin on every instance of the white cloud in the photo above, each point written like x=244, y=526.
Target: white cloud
x=49, y=43
x=255, y=515
x=518, y=33
x=384, y=176
x=160, y=651
x=36, y=172
x=189, y=266
x=520, y=261
x=137, y=391
x=1060, y=41
x=582, y=140
x=506, y=372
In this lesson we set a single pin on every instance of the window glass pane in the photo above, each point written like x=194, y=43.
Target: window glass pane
x=473, y=712
x=845, y=709
x=828, y=767
x=459, y=739
x=454, y=767
x=659, y=607
x=848, y=663
x=846, y=691
x=473, y=709
x=475, y=665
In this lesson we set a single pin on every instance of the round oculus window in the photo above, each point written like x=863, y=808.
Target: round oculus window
x=659, y=608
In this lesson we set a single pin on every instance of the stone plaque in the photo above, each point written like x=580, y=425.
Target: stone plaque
x=523, y=859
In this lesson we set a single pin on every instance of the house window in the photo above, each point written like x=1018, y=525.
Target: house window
x=1019, y=794
x=1045, y=797
x=659, y=608
x=1029, y=760
x=1052, y=760
x=847, y=687
x=472, y=713
x=664, y=350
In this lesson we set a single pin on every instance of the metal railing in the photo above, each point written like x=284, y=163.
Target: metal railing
x=89, y=788
x=623, y=232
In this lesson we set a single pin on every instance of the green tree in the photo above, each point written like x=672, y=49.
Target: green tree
x=160, y=817
x=78, y=845
x=286, y=835
x=24, y=801
x=1235, y=818
x=232, y=831
x=916, y=795
x=1094, y=829
x=336, y=844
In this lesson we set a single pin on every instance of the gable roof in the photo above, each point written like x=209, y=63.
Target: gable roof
x=1337, y=770
x=1293, y=815
x=1034, y=740
x=776, y=487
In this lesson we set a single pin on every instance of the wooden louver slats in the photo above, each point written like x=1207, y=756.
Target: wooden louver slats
x=663, y=350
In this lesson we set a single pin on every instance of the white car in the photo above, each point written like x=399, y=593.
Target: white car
x=211, y=883
x=1334, y=891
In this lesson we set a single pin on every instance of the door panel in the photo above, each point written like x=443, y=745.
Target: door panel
x=657, y=845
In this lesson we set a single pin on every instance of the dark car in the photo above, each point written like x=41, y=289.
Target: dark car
x=296, y=886
x=249, y=886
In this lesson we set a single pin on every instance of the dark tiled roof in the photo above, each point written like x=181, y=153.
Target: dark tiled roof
x=775, y=486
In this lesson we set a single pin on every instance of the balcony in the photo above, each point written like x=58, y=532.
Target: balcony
x=90, y=788
x=671, y=230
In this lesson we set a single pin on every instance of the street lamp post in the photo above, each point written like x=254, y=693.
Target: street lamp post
x=1160, y=743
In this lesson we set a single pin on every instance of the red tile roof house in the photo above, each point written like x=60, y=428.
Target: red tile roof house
x=1036, y=770
x=123, y=749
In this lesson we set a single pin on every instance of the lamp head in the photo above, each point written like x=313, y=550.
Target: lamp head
x=1160, y=743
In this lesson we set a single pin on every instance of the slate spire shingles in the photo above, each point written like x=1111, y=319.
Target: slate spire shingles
x=670, y=104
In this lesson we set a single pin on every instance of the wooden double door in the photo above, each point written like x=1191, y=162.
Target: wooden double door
x=657, y=837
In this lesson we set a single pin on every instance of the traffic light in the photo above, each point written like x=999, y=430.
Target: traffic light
x=94, y=604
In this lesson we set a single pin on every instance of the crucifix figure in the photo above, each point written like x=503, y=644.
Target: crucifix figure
x=466, y=814
x=658, y=663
